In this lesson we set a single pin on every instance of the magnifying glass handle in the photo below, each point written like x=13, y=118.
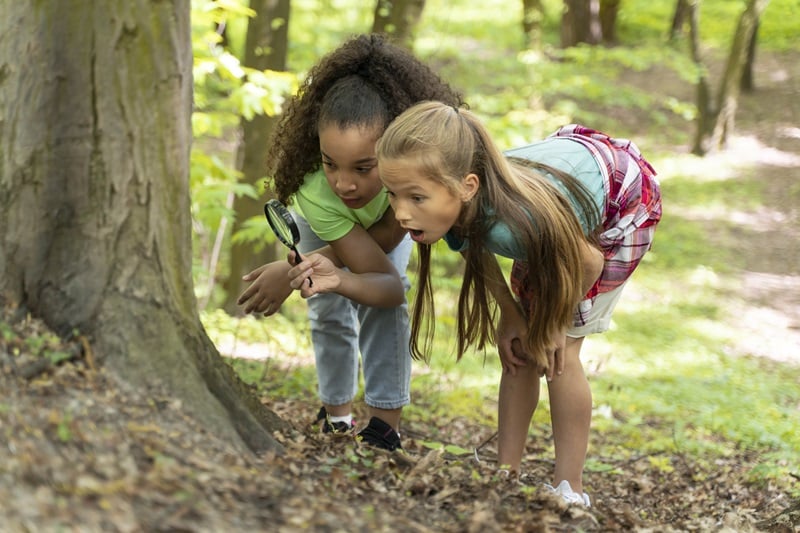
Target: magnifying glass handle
x=297, y=261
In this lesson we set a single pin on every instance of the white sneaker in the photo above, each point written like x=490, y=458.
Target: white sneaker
x=568, y=495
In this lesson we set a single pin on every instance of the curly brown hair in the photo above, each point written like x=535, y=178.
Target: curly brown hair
x=367, y=81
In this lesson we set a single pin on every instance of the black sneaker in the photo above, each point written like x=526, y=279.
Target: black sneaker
x=380, y=434
x=324, y=422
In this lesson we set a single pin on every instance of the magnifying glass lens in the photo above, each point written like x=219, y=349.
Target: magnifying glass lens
x=283, y=231
x=284, y=227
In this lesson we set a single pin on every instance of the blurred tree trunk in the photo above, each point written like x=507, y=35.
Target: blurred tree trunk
x=691, y=10
x=398, y=19
x=716, y=117
x=748, y=83
x=266, y=47
x=683, y=11
x=532, y=17
x=94, y=198
x=580, y=23
x=608, y=20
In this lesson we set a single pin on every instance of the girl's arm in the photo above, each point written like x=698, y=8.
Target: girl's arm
x=268, y=290
x=371, y=278
x=593, y=262
x=512, y=327
x=387, y=232
x=270, y=286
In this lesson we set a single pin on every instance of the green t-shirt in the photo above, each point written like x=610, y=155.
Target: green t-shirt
x=566, y=155
x=327, y=215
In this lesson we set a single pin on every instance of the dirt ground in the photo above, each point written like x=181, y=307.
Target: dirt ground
x=767, y=141
x=81, y=452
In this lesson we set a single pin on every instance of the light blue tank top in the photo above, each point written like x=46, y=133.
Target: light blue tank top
x=566, y=155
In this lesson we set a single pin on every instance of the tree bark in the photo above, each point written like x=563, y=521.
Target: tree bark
x=608, y=20
x=94, y=197
x=683, y=10
x=705, y=108
x=718, y=124
x=266, y=46
x=580, y=23
x=748, y=83
x=398, y=19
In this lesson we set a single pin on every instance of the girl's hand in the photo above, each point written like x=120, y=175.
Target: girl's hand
x=555, y=356
x=511, y=331
x=268, y=291
x=325, y=275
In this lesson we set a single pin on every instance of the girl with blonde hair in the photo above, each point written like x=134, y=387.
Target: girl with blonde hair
x=576, y=212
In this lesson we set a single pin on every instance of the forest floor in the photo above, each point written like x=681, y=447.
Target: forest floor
x=79, y=451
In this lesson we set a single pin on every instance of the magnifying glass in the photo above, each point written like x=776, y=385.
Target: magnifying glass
x=284, y=227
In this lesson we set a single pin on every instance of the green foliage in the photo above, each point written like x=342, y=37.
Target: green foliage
x=63, y=428
x=225, y=93
x=780, y=26
x=447, y=448
x=318, y=26
x=45, y=344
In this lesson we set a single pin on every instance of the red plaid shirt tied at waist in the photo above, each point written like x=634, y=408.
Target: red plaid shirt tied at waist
x=632, y=208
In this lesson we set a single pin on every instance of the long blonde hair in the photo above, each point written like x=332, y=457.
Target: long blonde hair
x=446, y=144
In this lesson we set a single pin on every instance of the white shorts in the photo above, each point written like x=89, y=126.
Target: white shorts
x=599, y=318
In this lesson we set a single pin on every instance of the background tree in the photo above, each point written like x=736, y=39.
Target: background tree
x=532, y=17
x=716, y=116
x=589, y=21
x=94, y=198
x=580, y=23
x=266, y=46
x=748, y=81
x=398, y=18
x=683, y=12
x=608, y=20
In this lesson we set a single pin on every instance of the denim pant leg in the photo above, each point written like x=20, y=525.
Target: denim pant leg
x=384, y=341
x=334, y=334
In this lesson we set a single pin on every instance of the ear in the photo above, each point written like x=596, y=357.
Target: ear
x=469, y=187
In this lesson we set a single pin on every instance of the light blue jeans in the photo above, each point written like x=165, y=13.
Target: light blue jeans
x=341, y=327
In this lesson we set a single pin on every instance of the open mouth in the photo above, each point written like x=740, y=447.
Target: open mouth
x=416, y=235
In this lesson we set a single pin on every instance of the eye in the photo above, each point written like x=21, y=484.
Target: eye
x=365, y=170
x=327, y=163
x=417, y=199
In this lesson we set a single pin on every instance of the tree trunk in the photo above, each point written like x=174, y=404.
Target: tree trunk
x=720, y=123
x=608, y=20
x=532, y=17
x=683, y=11
x=580, y=23
x=705, y=108
x=266, y=47
x=398, y=19
x=94, y=197
x=748, y=83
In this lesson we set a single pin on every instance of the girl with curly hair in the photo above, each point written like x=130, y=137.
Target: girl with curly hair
x=576, y=212
x=322, y=162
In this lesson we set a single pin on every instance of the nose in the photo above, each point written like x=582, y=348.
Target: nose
x=401, y=212
x=344, y=183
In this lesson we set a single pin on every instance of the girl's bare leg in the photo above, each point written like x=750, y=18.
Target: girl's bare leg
x=519, y=395
x=571, y=415
x=390, y=416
